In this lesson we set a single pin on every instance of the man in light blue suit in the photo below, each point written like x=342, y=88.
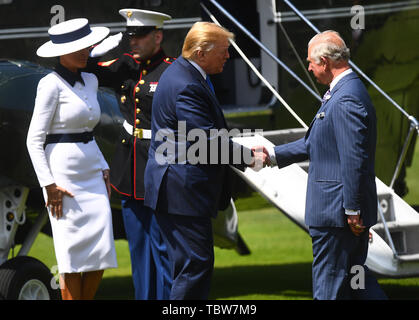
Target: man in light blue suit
x=341, y=202
x=185, y=193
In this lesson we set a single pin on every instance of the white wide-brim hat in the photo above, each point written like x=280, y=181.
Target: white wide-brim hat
x=71, y=36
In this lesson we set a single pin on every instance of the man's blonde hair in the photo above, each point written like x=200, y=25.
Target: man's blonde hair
x=202, y=36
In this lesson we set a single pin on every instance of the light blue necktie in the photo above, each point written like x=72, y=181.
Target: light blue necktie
x=210, y=84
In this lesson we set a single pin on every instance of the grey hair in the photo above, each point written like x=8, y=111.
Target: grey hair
x=329, y=44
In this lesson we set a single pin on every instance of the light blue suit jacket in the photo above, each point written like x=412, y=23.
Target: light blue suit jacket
x=340, y=145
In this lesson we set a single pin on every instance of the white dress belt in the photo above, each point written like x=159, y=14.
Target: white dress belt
x=138, y=132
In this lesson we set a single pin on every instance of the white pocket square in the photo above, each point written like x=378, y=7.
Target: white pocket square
x=320, y=115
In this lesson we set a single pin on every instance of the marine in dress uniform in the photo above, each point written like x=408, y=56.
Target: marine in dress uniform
x=134, y=80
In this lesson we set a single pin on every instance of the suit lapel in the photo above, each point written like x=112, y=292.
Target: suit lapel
x=338, y=85
x=321, y=109
x=211, y=94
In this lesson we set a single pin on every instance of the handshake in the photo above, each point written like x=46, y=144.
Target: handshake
x=261, y=158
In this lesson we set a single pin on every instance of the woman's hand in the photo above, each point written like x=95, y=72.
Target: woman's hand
x=107, y=181
x=55, y=199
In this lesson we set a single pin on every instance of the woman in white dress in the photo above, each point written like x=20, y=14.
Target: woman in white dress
x=68, y=163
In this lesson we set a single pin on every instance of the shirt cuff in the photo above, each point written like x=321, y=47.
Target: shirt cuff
x=349, y=212
x=272, y=156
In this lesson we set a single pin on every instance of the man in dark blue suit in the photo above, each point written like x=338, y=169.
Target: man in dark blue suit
x=341, y=201
x=186, y=185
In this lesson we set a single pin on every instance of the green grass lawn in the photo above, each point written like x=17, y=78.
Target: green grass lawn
x=279, y=266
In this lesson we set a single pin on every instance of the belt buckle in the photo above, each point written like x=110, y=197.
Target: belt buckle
x=138, y=132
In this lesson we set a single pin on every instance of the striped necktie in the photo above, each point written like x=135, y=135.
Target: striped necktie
x=326, y=96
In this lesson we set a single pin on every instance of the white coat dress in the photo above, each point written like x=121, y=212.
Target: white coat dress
x=83, y=236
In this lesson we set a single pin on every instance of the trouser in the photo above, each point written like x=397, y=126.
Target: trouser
x=190, y=246
x=149, y=260
x=339, y=270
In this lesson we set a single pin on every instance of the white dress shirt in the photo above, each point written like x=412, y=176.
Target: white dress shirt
x=337, y=78
x=198, y=67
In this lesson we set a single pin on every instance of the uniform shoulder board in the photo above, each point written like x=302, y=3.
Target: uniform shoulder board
x=169, y=60
x=106, y=63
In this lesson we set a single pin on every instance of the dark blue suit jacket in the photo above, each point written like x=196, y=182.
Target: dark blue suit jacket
x=340, y=145
x=176, y=186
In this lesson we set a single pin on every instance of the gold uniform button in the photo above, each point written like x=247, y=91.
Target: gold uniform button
x=137, y=100
x=137, y=89
x=123, y=99
x=142, y=81
x=123, y=141
x=138, y=110
x=144, y=72
x=148, y=61
x=167, y=59
x=137, y=121
x=122, y=87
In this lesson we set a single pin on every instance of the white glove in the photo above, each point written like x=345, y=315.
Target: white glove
x=106, y=45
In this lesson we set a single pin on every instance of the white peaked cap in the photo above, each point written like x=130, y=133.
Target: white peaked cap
x=144, y=18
